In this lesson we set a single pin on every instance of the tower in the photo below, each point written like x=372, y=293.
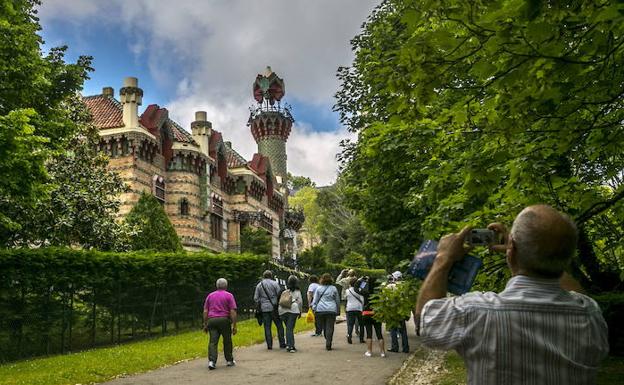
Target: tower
x=270, y=123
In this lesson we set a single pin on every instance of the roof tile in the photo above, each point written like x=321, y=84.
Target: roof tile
x=105, y=110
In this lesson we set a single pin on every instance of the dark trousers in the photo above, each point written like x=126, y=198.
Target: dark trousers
x=353, y=318
x=369, y=325
x=290, y=319
x=267, y=319
x=394, y=337
x=218, y=327
x=327, y=321
x=317, y=325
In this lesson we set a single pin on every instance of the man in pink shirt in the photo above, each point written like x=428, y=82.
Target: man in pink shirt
x=220, y=320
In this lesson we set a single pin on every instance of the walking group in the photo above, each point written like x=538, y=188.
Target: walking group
x=282, y=307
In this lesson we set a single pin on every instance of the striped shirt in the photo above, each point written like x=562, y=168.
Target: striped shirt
x=533, y=332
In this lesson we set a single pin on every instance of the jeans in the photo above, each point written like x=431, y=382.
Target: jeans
x=354, y=317
x=217, y=327
x=290, y=319
x=327, y=321
x=267, y=319
x=317, y=325
x=394, y=336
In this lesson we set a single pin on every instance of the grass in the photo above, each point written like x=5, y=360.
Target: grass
x=103, y=364
x=611, y=371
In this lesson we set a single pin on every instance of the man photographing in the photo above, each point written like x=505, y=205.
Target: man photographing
x=539, y=329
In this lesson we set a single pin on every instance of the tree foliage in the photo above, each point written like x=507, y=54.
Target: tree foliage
x=35, y=122
x=255, y=241
x=297, y=182
x=467, y=112
x=151, y=226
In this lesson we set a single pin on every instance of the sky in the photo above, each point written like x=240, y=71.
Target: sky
x=204, y=55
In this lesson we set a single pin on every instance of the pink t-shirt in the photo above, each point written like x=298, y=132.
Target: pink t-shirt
x=219, y=303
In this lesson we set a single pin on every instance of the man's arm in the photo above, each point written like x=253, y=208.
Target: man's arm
x=233, y=319
x=205, y=319
x=450, y=249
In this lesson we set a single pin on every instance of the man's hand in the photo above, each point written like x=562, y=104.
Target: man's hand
x=502, y=230
x=451, y=247
x=205, y=328
x=234, y=330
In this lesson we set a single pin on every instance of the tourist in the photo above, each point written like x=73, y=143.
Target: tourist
x=367, y=287
x=326, y=305
x=310, y=294
x=220, y=320
x=355, y=305
x=289, y=314
x=267, y=295
x=393, y=281
x=539, y=330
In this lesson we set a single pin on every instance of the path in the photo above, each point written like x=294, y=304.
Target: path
x=312, y=365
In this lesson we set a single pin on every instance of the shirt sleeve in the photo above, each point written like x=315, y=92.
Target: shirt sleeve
x=443, y=323
x=232, y=302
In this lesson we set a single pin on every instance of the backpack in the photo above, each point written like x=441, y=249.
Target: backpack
x=286, y=299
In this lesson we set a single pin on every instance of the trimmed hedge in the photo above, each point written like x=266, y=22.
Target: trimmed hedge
x=56, y=300
x=612, y=305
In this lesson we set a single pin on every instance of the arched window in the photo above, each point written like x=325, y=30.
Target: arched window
x=159, y=188
x=184, y=207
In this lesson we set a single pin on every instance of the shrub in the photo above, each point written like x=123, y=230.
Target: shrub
x=394, y=303
x=255, y=241
x=354, y=260
x=152, y=227
x=612, y=305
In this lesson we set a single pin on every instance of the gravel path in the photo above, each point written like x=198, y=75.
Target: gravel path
x=312, y=365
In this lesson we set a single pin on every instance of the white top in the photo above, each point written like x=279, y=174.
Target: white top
x=312, y=288
x=533, y=332
x=355, y=301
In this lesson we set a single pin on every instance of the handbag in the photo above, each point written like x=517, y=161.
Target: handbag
x=258, y=313
x=286, y=299
x=310, y=316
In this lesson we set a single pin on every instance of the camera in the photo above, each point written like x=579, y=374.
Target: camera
x=482, y=237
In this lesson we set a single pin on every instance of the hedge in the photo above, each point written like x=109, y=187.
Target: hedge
x=56, y=300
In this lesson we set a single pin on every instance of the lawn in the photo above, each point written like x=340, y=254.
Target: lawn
x=611, y=371
x=99, y=365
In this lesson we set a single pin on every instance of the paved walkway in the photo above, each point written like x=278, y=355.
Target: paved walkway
x=312, y=365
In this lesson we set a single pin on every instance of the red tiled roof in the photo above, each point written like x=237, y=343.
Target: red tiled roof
x=234, y=159
x=105, y=110
x=259, y=164
x=179, y=133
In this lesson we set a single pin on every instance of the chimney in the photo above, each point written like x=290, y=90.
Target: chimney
x=228, y=144
x=108, y=91
x=202, y=129
x=131, y=97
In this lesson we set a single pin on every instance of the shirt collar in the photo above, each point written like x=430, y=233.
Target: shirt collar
x=526, y=282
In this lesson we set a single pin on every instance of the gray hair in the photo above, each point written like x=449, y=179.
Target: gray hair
x=222, y=283
x=544, y=239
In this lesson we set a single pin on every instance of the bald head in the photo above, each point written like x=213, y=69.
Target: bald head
x=544, y=240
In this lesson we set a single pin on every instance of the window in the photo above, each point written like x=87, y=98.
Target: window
x=159, y=188
x=184, y=207
x=216, y=227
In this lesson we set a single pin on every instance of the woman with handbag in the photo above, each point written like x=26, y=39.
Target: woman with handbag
x=290, y=306
x=266, y=296
x=326, y=306
x=355, y=305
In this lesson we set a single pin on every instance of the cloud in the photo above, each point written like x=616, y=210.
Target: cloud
x=208, y=53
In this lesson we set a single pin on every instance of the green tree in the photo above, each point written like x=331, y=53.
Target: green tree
x=306, y=199
x=82, y=203
x=151, y=226
x=296, y=182
x=312, y=259
x=35, y=122
x=469, y=112
x=355, y=260
x=255, y=241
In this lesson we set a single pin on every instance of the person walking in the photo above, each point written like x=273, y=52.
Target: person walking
x=326, y=305
x=220, y=320
x=401, y=329
x=267, y=295
x=289, y=314
x=310, y=296
x=367, y=287
x=355, y=304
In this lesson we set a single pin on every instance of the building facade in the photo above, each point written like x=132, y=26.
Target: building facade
x=207, y=189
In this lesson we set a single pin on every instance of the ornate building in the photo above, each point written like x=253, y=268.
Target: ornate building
x=207, y=189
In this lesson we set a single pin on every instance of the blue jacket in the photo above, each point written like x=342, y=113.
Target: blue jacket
x=326, y=299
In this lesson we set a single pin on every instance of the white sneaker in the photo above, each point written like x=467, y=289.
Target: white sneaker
x=368, y=354
x=231, y=363
x=383, y=355
x=211, y=365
